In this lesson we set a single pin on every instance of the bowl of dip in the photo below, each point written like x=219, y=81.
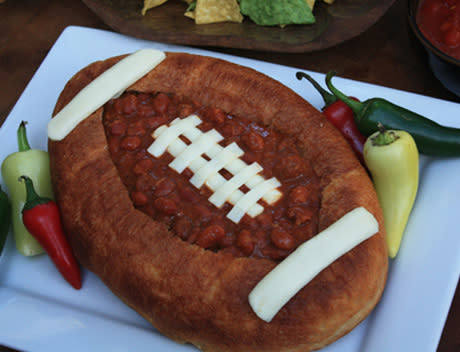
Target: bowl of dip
x=436, y=24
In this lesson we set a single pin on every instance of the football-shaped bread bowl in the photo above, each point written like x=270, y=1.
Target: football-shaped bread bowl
x=197, y=295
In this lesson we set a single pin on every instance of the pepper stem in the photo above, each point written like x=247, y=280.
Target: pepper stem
x=32, y=198
x=356, y=106
x=23, y=143
x=328, y=97
x=383, y=136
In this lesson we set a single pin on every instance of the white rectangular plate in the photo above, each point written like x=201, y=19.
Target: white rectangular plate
x=39, y=311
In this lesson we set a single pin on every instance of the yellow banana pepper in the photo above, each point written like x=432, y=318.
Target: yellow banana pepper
x=36, y=164
x=393, y=161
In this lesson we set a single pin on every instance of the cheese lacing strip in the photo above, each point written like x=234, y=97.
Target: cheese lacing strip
x=199, y=146
x=247, y=201
x=226, y=189
x=218, y=162
x=206, y=172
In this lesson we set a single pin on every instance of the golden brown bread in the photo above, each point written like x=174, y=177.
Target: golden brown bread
x=199, y=296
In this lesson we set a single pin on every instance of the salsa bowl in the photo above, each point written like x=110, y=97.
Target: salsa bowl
x=445, y=66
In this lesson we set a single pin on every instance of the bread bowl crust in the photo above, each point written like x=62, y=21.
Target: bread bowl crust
x=195, y=295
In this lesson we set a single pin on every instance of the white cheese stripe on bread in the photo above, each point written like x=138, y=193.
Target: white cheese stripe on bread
x=308, y=260
x=107, y=85
x=206, y=172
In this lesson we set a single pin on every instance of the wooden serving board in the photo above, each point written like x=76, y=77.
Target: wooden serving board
x=335, y=23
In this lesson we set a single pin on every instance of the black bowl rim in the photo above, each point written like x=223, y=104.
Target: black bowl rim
x=413, y=5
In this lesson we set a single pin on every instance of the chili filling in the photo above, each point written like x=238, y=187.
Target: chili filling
x=168, y=197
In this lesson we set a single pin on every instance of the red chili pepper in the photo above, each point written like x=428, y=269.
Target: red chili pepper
x=42, y=219
x=341, y=116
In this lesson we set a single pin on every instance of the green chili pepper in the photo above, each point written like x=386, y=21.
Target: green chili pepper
x=5, y=218
x=431, y=138
x=393, y=161
x=36, y=164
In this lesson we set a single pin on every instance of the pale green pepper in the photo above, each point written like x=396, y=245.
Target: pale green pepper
x=393, y=161
x=36, y=164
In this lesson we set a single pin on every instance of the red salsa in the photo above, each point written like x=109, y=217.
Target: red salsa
x=169, y=197
x=439, y=21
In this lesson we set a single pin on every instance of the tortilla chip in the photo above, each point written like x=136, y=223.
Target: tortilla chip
x=190, y=14
x=148, y=4
x=213, y=11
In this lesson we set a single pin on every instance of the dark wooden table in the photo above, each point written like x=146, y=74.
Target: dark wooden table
x=386, y=54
